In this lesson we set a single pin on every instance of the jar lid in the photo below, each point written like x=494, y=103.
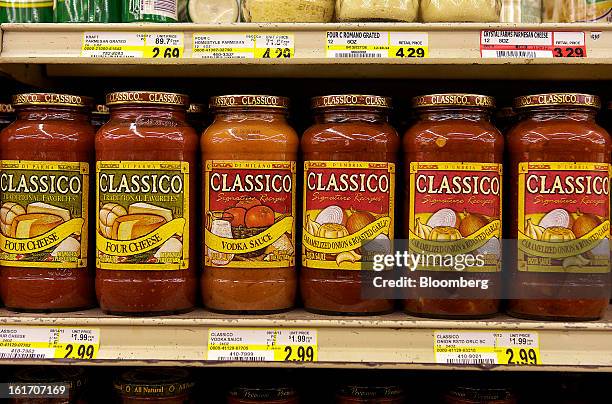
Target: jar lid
x=65, y=100
x=481, y=395
x=101, y=109
x=154, y=382
x=555, y=99
x=351, y=100
x=75, y=377
x=7, y=109
x=262, y=393
x=146, y=97
x=248, y=101
x=372, y=392
x=453, y=100
x=195, y=109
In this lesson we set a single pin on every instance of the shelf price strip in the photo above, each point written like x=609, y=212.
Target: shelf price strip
x=376, y=45
x=532, y=44
x=454, y=347
x=262, y=345
x=243, y=46
x=167, y=45
x=33, y=342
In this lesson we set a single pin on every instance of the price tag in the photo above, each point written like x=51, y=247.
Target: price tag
x=112, y=45
x=132, y=45
x=532, y=44
x=223, y=46
x=274, y=46
x=377, y=44
x=262, y=345
x=408, y=45
x=243, y=46
x=164, y=46
x=32, y=342
x=487, y=348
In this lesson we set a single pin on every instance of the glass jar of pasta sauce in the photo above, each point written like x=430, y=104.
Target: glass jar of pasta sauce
x=364, y=394
x=559, y=208
x=145, y=205
x=99, y=116
x=155, y=385
x=350, y=158
x=249, y=158
x=69, y=384
x=197, y=116
x=7, y=115
x=453, y=183
x=45, y=158
x=262, y=395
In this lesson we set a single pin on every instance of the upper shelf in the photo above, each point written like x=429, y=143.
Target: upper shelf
x=449, y=50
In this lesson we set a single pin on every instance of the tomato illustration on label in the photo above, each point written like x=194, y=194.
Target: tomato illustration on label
x=564, y=217
x=455, y=209
x=348, y=213
x=250, y=214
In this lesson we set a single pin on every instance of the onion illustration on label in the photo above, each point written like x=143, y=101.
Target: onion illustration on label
x=443, y=218
x=556, y=218
x=331, y=214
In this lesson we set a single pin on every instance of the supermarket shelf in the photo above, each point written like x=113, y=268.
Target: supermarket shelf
x=31, y=52
x=390, y=341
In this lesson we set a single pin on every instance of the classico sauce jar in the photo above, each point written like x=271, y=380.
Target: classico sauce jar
x=559, y=208
x=350, y=141
x=145, y=205
x=45, y=161
x=453, y=177
x=249, y=156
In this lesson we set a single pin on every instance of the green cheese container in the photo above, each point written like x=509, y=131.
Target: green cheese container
x=150, y=11
x=26, y=11
x=87, y=11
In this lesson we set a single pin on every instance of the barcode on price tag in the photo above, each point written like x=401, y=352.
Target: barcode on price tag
x=262, y=345
x=376, y=44
x=168, y=45
x=33, y=342
x=487, y=348
x=532, y=44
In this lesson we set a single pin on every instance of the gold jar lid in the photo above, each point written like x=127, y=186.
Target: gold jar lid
x=557, y=99
x=195, y=108
x=51, y=99
x=453, y=100
x=248, y=101
x=351, y=100
x=101, y=109
x=146, y=97
x=6, y=109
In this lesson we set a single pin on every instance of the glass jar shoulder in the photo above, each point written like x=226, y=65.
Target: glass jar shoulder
x=164, y=135
x=358, y=137
x=558, y=135
x=249, y=137
x=24, y=139
x=460, y=135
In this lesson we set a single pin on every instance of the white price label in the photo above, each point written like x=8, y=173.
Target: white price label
x=262, y=345
x=456, y=347
x=532, y=44
x=376, y=44
x=33, y=342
